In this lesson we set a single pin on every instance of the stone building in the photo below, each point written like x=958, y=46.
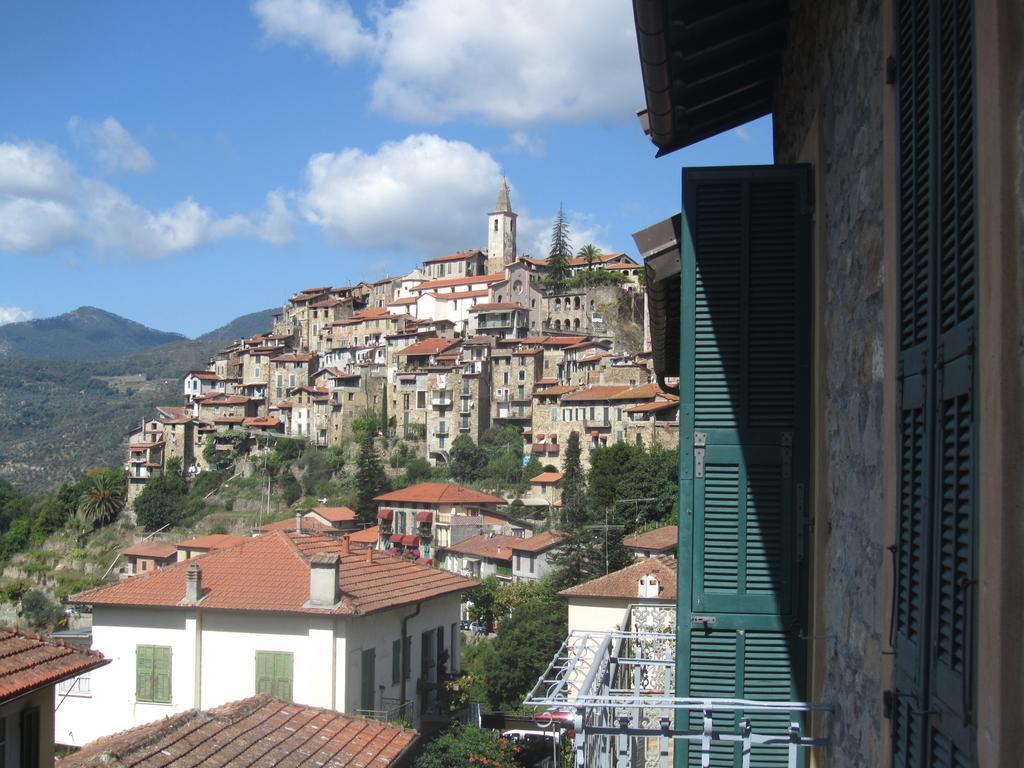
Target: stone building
x=501, y=233
x=461, y=264
x=501, y=319
x=287, y=371
x=882, y=396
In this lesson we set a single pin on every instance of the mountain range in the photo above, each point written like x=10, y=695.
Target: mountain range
x=72, y=386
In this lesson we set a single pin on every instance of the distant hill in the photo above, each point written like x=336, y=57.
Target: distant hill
x=242, y=327
x=63, y=415
x=86, y=333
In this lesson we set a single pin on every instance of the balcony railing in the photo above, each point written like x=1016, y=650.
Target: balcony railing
x=598, y=422
x=441, y=399
x=615, y=689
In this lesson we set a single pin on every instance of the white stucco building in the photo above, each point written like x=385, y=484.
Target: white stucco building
x=298, y=616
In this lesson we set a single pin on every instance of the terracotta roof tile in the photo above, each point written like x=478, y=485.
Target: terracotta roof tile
x=155, y=549
x=365, y=536
x=335, y=514
x=623, y=583
x=259, y=731
x=642, y=392
x=459, y=256
x=546, y=478
x=497, y=306
x=538, y=542
x=554, y=391
x=28, y=662
x=440, y=493
x=430, y=285
x=270, y=573
x=600, y=392
x=662, y=539
x=493, y=547
x=213, y=541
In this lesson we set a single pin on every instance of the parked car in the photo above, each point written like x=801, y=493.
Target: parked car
x=478, y=627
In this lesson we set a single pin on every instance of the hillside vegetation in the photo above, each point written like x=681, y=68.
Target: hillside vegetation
x=60, y=417
x=86, y=333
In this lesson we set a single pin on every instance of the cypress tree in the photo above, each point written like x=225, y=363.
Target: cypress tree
x=370, y=479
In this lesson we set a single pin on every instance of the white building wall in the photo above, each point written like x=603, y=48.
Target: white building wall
x=213, y=660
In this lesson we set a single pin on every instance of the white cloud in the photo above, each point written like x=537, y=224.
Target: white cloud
x=423, y=194
x=509, y=63
x=742, y=133
x=14, y=315
x=33, y=171
x=521, y=141
x=329, y=26
x=113, y=147
x=45, y=203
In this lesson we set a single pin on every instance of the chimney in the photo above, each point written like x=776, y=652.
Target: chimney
x=193, y=583
x=369, y=554
x=648, y=586
x=344, y=546
x=298, y=523
x=324, y=591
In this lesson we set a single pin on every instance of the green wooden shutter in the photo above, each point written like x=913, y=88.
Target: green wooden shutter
x=283, y=663
x=144, y=673
x=162, y=674
x=264, y=673
x=396, y=662
x=744, y=389
x=934, y=623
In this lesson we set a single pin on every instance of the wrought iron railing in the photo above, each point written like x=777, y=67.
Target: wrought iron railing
x=391, y=710
x=615, y=690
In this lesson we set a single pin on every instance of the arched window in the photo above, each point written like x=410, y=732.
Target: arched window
x=533, y=303
x=591, y=303
x=576, y=302
x=558, y=305
x=576, y=324
x=558, y=325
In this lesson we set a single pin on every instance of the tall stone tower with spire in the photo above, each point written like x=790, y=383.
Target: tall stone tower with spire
x=501, y=233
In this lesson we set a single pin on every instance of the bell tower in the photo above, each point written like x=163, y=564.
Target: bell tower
x=501, y=233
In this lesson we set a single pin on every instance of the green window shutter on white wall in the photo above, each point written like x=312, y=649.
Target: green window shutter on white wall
x=274, y=674
x=153, y=673
x=744, y=421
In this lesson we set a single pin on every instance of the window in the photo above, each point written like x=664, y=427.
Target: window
x=530, y=558
x=274, y=674
x=495, y=225
x=153, y=673
x=554, y=413
x=76, y=686
x=30, y=738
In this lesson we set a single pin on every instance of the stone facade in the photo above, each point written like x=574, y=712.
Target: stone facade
x=835, y=101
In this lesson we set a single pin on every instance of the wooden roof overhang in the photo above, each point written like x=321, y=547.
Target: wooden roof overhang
x=707, y=66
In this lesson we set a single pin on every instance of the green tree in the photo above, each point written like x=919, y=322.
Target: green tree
x=370, y=478
x=40, y=611
x=162, y=501
x=104, y=492
x=635, y=485
x=417, y=470
x=504, y=448
x=532, y=469
x=483, y=601
x=466, y=460
x=523, y=649
x=590, y=253
x=557, y=271
x=466, y=745
x=574, y=486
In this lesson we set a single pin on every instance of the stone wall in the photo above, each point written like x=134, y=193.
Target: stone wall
x=834, y=69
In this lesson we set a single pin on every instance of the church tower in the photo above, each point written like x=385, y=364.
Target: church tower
x=501, y=233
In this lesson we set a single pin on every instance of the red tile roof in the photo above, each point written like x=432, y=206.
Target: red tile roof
x=154, y=549
x=428, y=347
x=600, y=392
x=492, y=547
x=258, y=731
x=212, y=542
x=335, y=514
x=658, y=405
x=288, y=524
x=642, y=392
x=205, y=375
x=270, y=573
x=294, y=357
x=623, y=584
x=365, y=536
x=662, y=539
x=405, y=301
x=261, y=421
x=551, y=391
x=459, y=256
x=440, y=493
x=223, y=400
x=460, y=295
x=547, y=478
x=538, y=542
x=28, y=662
x=430, y=285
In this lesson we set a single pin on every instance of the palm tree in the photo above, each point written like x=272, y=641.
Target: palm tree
x=103, y=497
x=591, y=253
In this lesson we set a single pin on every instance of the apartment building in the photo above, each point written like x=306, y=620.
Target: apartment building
x=288, y=371
x=461, y=264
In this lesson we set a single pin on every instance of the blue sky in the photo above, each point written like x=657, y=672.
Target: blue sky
x=182, y=163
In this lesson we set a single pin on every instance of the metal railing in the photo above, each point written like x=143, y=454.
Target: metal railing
x=390, y=711
x=615, y=689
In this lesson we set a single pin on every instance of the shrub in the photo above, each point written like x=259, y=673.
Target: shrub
x=13, y=591
x=39, y=610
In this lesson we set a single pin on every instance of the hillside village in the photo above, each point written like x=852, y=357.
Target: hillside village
x=466, y=342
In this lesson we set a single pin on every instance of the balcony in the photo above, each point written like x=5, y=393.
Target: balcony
x=615, y=688
x=551, y=449
x=598, y=422
x=441, y=399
